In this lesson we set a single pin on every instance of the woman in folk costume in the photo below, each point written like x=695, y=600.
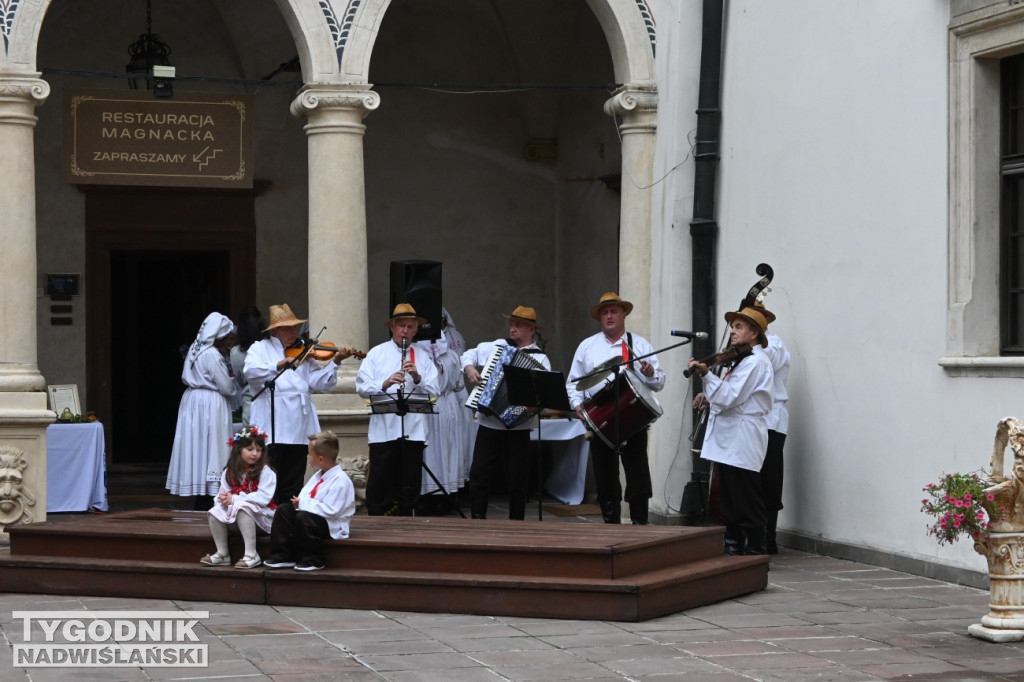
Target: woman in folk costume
x=204, y=415
x=447, y=437
x=466, y=423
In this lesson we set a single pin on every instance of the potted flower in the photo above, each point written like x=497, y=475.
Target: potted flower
x=962, y=507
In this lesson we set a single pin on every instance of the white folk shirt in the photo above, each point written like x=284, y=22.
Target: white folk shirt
x=477, y=357
x=334, y=499
x=294, y=414
x=778, y=418
x=737, y=430
x=597, y=349
x=381, y=362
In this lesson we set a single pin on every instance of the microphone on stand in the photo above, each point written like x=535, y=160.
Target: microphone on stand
x=690, y=335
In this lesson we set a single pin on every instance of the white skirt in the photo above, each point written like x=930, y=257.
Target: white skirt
x=263, y=516
x=201, y=449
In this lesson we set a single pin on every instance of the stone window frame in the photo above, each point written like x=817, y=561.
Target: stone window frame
x=978, y=42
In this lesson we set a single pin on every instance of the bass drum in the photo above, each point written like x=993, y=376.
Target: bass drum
x=636, y=407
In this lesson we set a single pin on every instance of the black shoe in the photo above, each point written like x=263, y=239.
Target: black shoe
x=733, y=541
x=309, y=566
x=611, y=511
x=277, y=561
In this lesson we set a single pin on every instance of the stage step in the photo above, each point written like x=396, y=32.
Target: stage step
x=451, y=565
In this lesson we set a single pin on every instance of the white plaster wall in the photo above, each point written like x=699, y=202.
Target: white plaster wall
x=834, y=171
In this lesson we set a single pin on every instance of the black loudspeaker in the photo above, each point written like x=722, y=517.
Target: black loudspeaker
x=418, y=283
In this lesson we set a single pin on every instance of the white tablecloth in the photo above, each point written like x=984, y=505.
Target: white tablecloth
x=75, y=468
x=570, y=450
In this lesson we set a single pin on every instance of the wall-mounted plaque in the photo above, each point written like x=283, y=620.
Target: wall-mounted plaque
x=124, y=137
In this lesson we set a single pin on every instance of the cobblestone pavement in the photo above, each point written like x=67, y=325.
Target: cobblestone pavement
x=819, y=619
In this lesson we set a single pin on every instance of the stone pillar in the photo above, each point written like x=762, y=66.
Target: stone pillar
x=635, y=109
x=1005, y=619
x=337, y=261
x=23, y=404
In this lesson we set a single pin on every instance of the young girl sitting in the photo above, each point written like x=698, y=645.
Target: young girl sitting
x=246, y=498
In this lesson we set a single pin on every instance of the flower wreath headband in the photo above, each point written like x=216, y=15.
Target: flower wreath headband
x=247, y=432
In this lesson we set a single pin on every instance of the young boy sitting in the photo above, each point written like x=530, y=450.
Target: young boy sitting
x=321, y=510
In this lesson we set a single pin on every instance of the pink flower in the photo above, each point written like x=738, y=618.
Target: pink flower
x=959, y=504
x=990, y=497
x=968, y=497
x=980, y=515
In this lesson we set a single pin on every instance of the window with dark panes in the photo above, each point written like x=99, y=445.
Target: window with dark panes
x=1011, y=298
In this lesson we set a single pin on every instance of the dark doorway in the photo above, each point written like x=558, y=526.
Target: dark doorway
x=158, y=261
x=158, y=301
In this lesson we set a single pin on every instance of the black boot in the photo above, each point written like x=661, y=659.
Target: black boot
x=755, y=540
x=478, y=508
x=611, y=511
x=638, y=512
x=733, y=540
x=517, y=507
x=770, y=545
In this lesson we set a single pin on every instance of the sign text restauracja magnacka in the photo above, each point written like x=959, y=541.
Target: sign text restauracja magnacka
x=130, y=138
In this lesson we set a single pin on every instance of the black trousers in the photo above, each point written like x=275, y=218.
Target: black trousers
x=508, y=452
x=393, y=482
x=634, y=463
x=298, y=535
x=771, y=472
x=740, y=502
x=289, y=463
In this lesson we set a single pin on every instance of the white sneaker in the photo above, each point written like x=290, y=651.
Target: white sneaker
x=215, y=559
x=249, y=561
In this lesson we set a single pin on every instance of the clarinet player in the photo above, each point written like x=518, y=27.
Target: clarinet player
x=396, y=443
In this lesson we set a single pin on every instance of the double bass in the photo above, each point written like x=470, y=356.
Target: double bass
x=703, y=476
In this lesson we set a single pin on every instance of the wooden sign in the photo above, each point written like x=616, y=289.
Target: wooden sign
x=126, y=137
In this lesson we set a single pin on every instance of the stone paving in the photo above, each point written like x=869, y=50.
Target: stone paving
x=819, y=619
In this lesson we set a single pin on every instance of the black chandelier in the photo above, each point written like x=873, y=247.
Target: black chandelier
x=150, y=61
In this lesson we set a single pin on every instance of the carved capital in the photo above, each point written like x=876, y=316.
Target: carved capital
x=32, y=90
x=361, y=100
x=629, y=101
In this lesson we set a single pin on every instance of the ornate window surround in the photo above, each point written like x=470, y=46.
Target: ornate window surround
x=978, y=40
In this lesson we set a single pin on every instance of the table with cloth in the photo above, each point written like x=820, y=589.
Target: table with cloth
x=76, y=468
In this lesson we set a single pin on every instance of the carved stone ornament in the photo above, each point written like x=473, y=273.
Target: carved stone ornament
x=28, y=89
x=357, y=469
x=632, y=100
x=326, y=98
x=15, y=501
x=1004, y=547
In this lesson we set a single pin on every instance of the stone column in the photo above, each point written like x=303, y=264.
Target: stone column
x=23, y=404
x=635, y=109
x=1005, y=619
x=337, y=261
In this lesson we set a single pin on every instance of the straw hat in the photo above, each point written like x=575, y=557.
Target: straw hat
x=768, y=315
x=610, y=297
x=755, y=317
x=523, y=314
x=403, y=310
x=282, y=316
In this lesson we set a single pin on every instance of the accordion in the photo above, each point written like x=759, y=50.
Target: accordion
x=490, y=397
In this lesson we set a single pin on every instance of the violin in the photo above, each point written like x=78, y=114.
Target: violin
x=719, y=358
x=318, y=350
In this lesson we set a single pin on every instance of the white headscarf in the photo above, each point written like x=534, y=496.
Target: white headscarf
x=455, y=340
x=214, y=328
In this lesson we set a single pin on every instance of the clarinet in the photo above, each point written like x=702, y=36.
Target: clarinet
x=401, y=387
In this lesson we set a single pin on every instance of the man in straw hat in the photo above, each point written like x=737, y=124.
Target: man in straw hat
x=613, y=341
x=736, y=438
x=396, y=442
x=778, y=426
x=294, y=413
x=498, y=447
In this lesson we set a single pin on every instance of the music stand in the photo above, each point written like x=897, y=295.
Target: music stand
x=414, y=403
x=540, y=389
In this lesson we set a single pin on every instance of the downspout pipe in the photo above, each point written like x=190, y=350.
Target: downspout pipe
x=704, y=232
x=703, y=226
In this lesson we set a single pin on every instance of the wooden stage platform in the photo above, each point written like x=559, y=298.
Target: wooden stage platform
x=429, y=564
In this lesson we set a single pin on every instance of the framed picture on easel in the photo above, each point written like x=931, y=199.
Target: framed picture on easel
x=64, y=397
